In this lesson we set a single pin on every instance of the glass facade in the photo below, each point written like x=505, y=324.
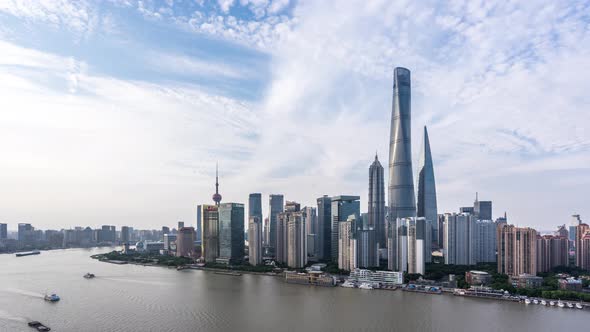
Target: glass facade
x=231, y=232
x=342, y=208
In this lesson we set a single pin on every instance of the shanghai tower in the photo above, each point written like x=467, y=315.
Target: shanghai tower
x=401, y=183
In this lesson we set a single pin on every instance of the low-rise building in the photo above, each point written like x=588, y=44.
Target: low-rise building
x=377, y=278
x=311, y=278
x=478, y=278
x=570, y=284
x=526, y=281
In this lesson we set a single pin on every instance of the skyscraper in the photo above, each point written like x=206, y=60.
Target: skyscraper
x=342, y=208
x=426, y=197
x=376, y=201
x=185, y=242
x=125, y=235
x=325, y=227
x=482, y=209
x=576, y=220
x=517, y=250
x=552, y=251
x=210, y=229
x=484, y=241
x=311, y=229
x=216, y=196
x=401, y=184
x=346, y=244
x=458, y=239
x=255, y=240
x=255, y=206
x=276, y=207
x=3, y=231
x=231, y=233
x=582, y=255
x=416, y=253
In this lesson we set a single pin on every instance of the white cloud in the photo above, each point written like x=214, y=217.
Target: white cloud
x=225, y=5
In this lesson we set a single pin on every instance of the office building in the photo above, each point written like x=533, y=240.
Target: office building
x=231, y=233
x=484, y=241
x=170, y=243
x=482, y=209
x=347, y=244
x=401, y=184
x=3, y=231
x=458, y=239
x=325, y=227
x=165, y=230
x=125, y=234
x=185, y=242
x=582, y=246
x=265, y=232
x=255, y=240
x=517, y=250
x=296, y=240
x=342, y=208
x=210, y=229
x=401, y=252
x=26, y=234
x=416, y=253
x=276, y=207
x=376, y=203
x=311, y=230
x=467, y=209
x=366, y=246
x=255, y=206
x=426, y=197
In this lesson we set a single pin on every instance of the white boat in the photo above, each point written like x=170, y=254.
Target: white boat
x=560, y=304
x=527, y=301
x=348, y=284
x=569, y=305
x=552, y=303
x=365, y=285
x=543, y=302
x=579, y=306
x=535, y=301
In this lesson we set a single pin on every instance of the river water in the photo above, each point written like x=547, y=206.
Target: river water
x=143, y=298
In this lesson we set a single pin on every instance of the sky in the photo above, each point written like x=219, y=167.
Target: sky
x=116, y=111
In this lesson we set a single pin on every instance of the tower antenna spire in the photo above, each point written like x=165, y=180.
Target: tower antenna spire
x=217, y=196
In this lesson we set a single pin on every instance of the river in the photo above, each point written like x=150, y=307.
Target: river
x=146, y=298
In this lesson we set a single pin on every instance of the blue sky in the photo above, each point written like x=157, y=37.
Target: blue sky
x=115, y=112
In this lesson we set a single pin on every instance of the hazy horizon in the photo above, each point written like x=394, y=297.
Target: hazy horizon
x=116, y=112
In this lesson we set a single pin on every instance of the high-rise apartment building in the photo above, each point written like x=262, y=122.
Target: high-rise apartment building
x=426, y=197
x=582, y=253
x=324, y=242
x=310, y=219
x=342, y=208
x=26, y=234
x=517, y=250
x=576, y=220
x=585, y=252
x=376, y=214
x=231, y=233
x=296, y=240
x=185, y=242
x=276, y=207
x=458, y=239
x=552, y=251
x=255, y=240
x=347, y=244
x=210, y=229
x=125, y=234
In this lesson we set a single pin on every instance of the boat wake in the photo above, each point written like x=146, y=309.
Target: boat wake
x=8, y=317
x=23, y=292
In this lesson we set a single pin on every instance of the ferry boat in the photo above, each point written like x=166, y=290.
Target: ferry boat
x=89, y=275
x=348, y=284
x=27, y=253
x=52, y=298
x=579, y=306
x=560, y=304
x=40, y=327
x=527, y=301
x=552, y=303
x=365, y=285
x=543, y=302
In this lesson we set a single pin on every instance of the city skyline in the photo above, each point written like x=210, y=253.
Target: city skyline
x=111, y=125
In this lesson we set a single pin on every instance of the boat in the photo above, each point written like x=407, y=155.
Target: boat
x=527, y=301
x=579, y=306
x=348, y=284
x=366, y=285
x=569, y=305
x=52, y=298
x=535, y=301
x=228, y=273
x=40, y=327
x=89, y=275
x=560, y=304
x=27, y=253
x=552, y=303
x=543, y=302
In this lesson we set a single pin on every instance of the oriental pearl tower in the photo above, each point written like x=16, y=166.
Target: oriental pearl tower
x=216, y=196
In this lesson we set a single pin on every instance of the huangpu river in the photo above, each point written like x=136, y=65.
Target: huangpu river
x=147, y=298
